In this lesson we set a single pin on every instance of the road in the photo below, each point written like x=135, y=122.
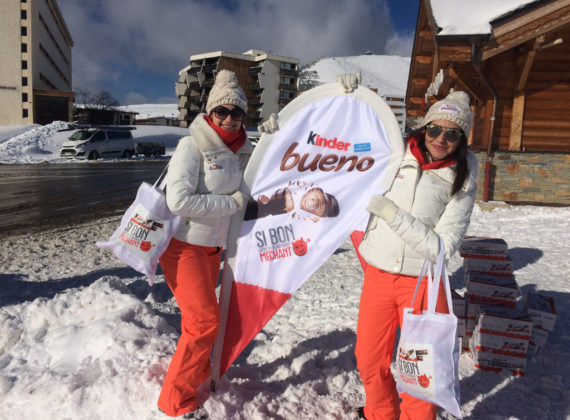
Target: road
x=40, y=196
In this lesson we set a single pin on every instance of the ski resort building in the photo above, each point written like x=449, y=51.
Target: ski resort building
x=269, y=82
x=35, y=63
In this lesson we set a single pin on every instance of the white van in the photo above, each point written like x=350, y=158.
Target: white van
x=93, y=143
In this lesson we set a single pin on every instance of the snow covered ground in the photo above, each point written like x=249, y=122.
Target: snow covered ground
x=82, y=336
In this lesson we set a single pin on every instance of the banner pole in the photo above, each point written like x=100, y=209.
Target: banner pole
x=225, y=294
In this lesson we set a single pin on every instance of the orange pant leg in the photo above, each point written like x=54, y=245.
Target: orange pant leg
x=191, y=272
x=384, y=296
x=375, y=336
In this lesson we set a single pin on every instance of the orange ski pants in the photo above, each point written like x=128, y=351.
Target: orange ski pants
x=384, y=297
x=191, y=272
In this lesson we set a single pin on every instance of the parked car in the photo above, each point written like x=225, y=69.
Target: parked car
x=93, y=143
x=148, y=149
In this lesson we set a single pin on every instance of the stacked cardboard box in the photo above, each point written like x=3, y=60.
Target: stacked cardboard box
x=542, y=311
x=501, y=338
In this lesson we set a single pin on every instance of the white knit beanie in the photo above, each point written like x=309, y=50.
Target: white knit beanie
x=226, y=91
x=455, y=108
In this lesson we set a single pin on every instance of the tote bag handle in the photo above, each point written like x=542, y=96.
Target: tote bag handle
x=161, y=181
x=434, y=277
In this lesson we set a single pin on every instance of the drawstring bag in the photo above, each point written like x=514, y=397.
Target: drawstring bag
x=428, y=350
x=145, y=230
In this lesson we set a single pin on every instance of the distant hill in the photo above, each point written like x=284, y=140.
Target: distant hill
x=387, y=73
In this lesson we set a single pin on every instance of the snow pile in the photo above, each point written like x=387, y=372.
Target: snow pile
x=85, y=337
x=34, y=143
x=387, y=73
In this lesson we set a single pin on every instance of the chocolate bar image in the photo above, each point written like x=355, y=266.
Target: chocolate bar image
x=319, y=203
x=279, y=203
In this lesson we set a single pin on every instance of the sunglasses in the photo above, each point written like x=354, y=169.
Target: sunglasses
x=222, y=113
x=451, y=135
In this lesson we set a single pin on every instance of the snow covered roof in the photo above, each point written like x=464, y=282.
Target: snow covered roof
x=146, y=111
x=471, y=17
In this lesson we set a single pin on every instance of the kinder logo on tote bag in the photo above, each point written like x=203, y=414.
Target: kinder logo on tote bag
x=428, y=351
x=145, y=231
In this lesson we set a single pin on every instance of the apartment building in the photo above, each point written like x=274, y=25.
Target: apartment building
x=269, y=82
x=35, y=63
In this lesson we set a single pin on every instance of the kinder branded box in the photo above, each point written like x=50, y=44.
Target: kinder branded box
x=500, y=344
x=541, y=309
x=459, y=304
x=508, y=322
x=492, y=289
x=537, y=341
x=483, y=247
x=497, y=362
x=488, y=266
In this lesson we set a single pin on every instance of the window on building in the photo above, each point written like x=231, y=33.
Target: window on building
x=24, y=113
x=24, y=97
x=24, y=81
x=23, y=31
x=23, y=1
x=24, y=64
x=23, y=14
x=24, y=48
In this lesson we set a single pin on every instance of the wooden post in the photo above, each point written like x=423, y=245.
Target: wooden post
x=517, y=119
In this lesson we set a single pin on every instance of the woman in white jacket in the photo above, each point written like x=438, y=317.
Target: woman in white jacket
x=203, y=183
x=431, y=197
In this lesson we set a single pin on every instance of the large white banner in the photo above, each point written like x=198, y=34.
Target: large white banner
x=309, y=185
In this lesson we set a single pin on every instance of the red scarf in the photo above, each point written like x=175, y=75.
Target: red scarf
x=234, y=139
x=421, y=156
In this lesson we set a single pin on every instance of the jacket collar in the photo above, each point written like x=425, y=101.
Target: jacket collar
x=209, y=140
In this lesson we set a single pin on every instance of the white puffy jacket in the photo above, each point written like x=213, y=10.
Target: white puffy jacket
x=202, y=175
x=426, y=212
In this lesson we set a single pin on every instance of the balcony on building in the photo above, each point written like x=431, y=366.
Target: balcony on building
x=254, y=86
x=252, y=71
x=288, y=72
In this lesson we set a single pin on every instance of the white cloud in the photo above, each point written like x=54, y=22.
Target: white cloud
x=133, y=98
x=158, y=36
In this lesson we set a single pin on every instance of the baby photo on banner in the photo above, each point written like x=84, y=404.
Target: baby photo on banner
x=309, y=184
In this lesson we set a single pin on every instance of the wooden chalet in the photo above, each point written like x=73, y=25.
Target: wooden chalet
x=518, y=78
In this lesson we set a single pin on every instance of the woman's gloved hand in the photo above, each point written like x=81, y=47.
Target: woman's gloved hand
x=241, y=199
x=270, y=125
x=350, y=81
x=382, y=207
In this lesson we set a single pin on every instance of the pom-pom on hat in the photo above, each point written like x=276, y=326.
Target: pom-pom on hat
x=226, y=91
x=455, y=108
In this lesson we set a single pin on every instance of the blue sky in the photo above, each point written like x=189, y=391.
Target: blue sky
x=135, y=48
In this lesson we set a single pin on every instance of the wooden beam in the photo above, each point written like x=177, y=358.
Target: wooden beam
x=425, y=33
x=517, y=119
x=453, y=74
x=415, y=113
x=518, y=31
x=419, y=81
x=528, y=62
x=423, y=59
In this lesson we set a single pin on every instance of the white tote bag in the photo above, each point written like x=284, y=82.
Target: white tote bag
x=428, y=351
x=145, y=231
